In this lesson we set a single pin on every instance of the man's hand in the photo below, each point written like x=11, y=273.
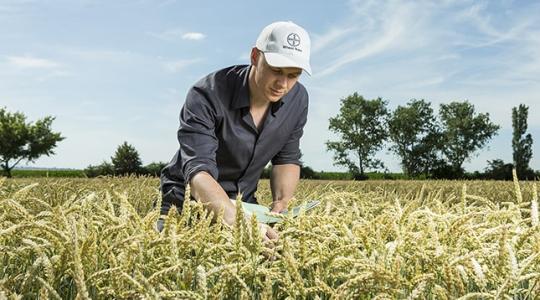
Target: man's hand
x=268, y=234
x=279, y=206
x=208, y=191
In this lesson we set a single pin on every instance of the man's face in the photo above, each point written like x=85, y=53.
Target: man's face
x=272, y=83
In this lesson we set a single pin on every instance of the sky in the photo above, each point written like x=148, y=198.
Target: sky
x=115, y=71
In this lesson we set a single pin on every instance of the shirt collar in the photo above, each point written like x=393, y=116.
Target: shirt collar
x=241, y=96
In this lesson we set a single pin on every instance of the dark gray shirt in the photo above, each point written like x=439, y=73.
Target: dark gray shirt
x=217, y=135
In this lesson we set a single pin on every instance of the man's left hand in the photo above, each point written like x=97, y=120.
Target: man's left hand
x=279, y=206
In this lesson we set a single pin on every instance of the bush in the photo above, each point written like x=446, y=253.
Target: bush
x=105, y=169
x=528, y=174
x=442, y=170
x=335, y=175
x=391, y=176
x=498, y=170
x=154, y=169
x=308, y=173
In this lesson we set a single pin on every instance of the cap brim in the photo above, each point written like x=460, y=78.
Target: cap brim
x=283, y=61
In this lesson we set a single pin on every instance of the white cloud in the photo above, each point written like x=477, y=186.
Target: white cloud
x=372, y=48
x=485, y=24
x=322, y=41
x=176, y=34
x=178, y=65
x=195, y=36
x=169, y=35
x=366, y=33
x=31, y=62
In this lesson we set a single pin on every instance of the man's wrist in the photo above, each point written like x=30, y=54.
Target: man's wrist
x=282, y=200
x=280, y=205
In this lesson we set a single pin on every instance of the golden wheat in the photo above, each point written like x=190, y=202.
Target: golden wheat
x=95, y=238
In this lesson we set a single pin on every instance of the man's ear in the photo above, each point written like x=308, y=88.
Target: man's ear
x=254, y=57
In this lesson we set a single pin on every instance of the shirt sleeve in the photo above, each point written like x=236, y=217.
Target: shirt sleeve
x=290, y=153
x=197, y=137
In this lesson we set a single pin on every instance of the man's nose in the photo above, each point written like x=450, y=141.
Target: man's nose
x=282, y=81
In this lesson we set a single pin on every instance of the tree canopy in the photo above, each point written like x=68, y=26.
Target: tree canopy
x=126, y=160
x=415, y=135
x=361, y=125
x=21, y=140
x=521, y=142
x=464, y=132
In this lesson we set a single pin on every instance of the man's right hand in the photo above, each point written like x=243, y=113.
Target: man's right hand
x=207, y=190
x=269, y=234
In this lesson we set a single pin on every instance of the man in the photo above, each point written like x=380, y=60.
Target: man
x=236, y=120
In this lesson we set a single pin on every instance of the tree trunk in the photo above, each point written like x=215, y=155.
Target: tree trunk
x=7, y=169
x=361, y=166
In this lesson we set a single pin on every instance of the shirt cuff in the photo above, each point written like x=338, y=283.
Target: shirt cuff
x=190, y=171
x=276, y=162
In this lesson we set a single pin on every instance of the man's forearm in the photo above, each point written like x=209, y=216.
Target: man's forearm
x=208, y=191
x=283, y=183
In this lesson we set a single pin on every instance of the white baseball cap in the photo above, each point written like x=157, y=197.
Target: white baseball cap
x=285, y=44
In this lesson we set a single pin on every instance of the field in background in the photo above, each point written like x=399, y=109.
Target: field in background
x=23, y=173
x=94, y=238
x=74, y=173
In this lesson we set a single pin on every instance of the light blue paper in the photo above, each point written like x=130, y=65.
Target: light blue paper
x=263, y=215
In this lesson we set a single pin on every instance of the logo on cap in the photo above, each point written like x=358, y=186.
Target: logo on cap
x=293, y=39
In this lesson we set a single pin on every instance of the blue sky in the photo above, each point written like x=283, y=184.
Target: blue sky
x=114, y=71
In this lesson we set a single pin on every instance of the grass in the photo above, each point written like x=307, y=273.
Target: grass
x=94, y=238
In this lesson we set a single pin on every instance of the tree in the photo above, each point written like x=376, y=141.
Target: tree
x=415, y=134
x=499, y=170
x=521, y=145
x=20, y=140
x=308, y=173
x=361, y=125
x=154, y=168
x=126, y=160
x=464, y=132
x=104, y=169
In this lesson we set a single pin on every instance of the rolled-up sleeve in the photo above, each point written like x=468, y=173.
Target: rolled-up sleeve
x=197, y=137
x=290, y=153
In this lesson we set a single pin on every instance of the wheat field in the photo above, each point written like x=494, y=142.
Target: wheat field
x=95, y=238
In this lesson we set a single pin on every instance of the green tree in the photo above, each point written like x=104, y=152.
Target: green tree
x=154, y=168
x=20, y=140
x=361, y=125
x=521, y=143
x=464, y=132
x=104, y=169
x=499, y=170
x=308, y=173
x=415, y=135
x=126, y=160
